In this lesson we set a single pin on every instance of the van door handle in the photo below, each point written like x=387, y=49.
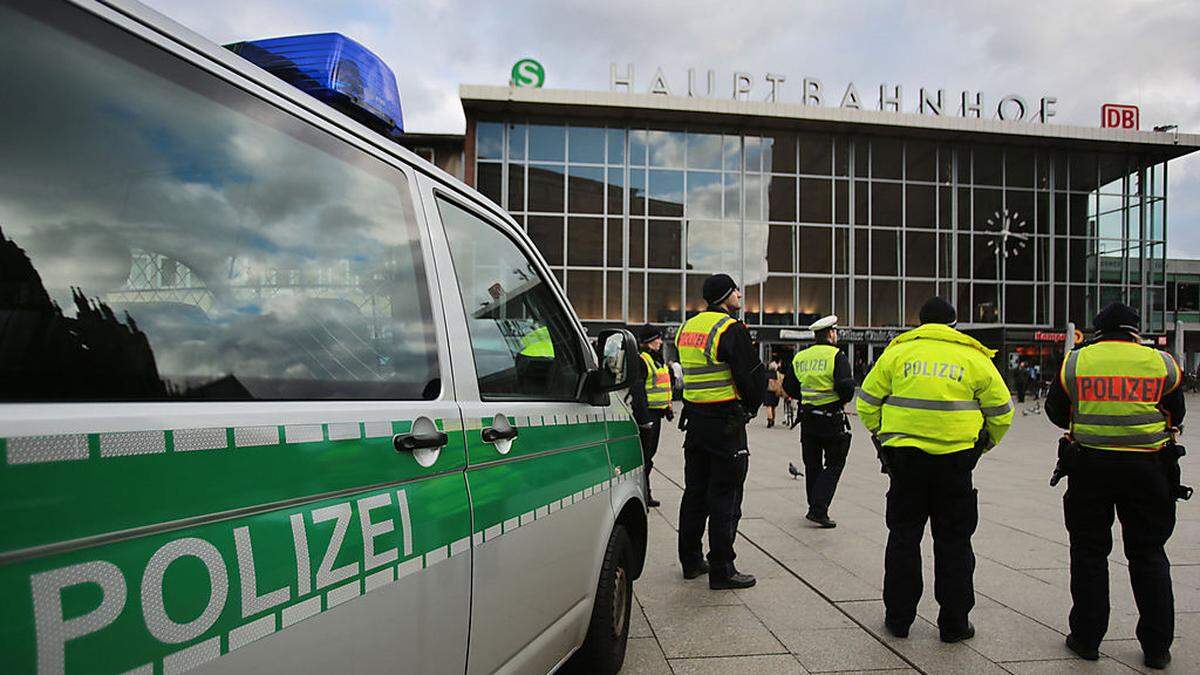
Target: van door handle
x=501, y=430
x=420, y=439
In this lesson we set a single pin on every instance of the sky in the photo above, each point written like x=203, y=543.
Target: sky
x=1085, y=54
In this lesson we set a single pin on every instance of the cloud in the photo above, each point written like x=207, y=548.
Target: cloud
x=1084, y=52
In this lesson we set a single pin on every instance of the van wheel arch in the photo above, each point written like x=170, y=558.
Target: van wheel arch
x=633, y=518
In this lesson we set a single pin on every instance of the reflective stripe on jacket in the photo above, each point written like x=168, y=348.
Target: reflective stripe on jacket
x=705, y=380
x=934, y=388
x=658, y=383
x=813, y=368
x=1115, y=387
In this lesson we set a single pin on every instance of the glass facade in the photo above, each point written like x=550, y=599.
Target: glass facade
x=633, y=218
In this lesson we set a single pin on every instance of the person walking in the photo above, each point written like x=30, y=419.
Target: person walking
x=821, y=379
x=651, y=402
x=1122, y=405
x=723, y=386
x=934, y=403
x=1021, y=380
x=774, y=389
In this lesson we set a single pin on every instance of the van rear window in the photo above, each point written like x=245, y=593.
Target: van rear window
x=166, y=236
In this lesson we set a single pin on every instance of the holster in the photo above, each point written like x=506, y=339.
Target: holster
x=1068, y=457
x=883, y=453
x=1171, y=453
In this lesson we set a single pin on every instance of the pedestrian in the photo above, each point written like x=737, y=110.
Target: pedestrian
x=651, y=401
x=821, y=379
x=723, y=386
x=1122, y=404
x=1021, y=380
x=934, y=403
x=774, y=389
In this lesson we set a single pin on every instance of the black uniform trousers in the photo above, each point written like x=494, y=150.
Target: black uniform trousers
x=712, y=491
x=1136, y=486
x=649, y=438
x=936, y=488
x=824, y=458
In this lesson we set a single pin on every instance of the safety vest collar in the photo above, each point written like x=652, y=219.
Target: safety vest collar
x=942, y=333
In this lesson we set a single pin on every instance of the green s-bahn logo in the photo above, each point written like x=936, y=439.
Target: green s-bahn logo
x=528, y=73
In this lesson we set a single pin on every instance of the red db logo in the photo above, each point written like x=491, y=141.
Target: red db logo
x=1115, y=116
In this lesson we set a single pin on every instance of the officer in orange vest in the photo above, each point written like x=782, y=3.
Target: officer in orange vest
x=1122, y=404
x=723, y=387
x=651, y=402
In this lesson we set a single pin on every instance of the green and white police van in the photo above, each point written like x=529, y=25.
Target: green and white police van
x=276, y=395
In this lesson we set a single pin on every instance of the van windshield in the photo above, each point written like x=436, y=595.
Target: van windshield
x=167, y=236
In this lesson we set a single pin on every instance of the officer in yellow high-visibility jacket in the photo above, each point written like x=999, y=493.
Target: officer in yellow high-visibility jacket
x=1122, y=403
x=723, y=386
x=934, y=402
x=650, y=402
x=821, y=380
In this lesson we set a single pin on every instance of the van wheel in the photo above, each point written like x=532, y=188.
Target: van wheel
x=603, y=650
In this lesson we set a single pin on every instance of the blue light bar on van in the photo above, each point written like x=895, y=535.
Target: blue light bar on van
x=334, y=69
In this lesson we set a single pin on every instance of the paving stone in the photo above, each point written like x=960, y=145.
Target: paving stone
x=1021, y=579
x=639, y=627
x=643, y=656
x=833, y=649
x=923, y=647
x=1104, y=665
x=711, y=631
x=775, y=664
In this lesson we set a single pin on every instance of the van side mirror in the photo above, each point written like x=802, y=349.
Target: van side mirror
x=615, y=351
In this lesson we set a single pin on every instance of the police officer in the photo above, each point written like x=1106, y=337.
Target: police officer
x=723, y=386
x=934, y=402
x=652, y=401
x=821, y=380
x=1122, y=403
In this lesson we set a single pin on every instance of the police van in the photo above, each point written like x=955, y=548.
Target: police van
x=276, y=395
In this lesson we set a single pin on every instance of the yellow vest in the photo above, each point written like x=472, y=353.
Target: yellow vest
x=1115, y=388
x=705, y=380
x=537, y=344
x=658, y=383
x=934, y=388
x=813, y=367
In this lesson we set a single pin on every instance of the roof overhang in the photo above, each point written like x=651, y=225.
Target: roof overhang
x=658, y=109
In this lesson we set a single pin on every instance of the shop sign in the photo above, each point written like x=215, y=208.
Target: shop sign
x=1049, y=336
x=868, y=335
x=932, y=102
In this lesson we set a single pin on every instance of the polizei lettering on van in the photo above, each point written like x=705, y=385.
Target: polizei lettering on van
x=219, y=586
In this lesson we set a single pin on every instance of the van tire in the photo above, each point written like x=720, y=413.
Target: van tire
x=603, y=649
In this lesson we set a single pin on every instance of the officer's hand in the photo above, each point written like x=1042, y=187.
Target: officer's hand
x=670, y=414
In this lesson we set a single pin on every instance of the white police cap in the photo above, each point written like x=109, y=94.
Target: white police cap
x=824, y=322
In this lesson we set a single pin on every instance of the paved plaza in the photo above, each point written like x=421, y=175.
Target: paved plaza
x=818, y=603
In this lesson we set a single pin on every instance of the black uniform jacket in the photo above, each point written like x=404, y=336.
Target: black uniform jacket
x=721, y=427
x=843, y=385
x=1058, y=404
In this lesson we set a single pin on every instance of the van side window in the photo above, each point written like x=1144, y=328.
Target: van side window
x=524, y=342
x=166, y=236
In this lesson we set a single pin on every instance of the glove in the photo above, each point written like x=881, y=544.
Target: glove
x=670, y=415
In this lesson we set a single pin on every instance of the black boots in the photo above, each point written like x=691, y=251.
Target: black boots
x=823, y=521
x=1081, y=650
x=693, y=572
x=735, y=580
x=965, y=634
